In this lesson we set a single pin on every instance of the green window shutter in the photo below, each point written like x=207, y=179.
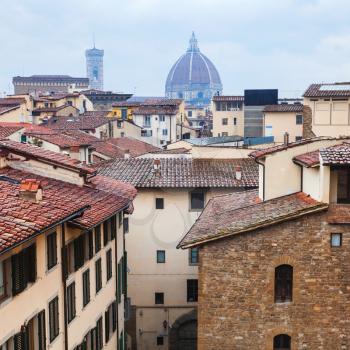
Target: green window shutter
x=125, y=273
x=120, y=281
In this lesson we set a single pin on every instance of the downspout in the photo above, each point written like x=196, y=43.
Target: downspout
x=263, y=184
x=64, y=283
x=116, y=282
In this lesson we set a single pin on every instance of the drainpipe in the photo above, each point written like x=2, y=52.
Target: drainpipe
x=64, y=283
x=263, y=184
x=116, y=282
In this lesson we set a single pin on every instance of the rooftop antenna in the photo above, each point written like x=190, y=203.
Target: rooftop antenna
x=93, y=39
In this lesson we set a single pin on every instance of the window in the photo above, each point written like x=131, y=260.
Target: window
x=126, y=225
x=79, y=253
x=98, y=275
x=159, y=203
x=160, y=256
x=119, y=124
x=113, y=226
x=88, y=246
x=160, y=340
x=122, y=277
x=124, y=113
x=299, y=119
x=165, y=132
x=4, y=266
x=120, y=219
x=23, y=267
x=53, y=319
x=192, y=290
x=86, y=287
x=189, y=113
x=106, y=232
x=235, y=121
x=336, y=239
x=159, y=298
x=283, y=283
x=71, y=311
x=110, y=320
x=193, y=252
x=146, y=133
x=109, y=264
x=298, y=138
x=197, y=200
x=97, y=239
x=162, y=118
x=224, y=134
x=146, y=121
x=99, y=334
x=224, y=121
x=343, y=186
x=282, y=342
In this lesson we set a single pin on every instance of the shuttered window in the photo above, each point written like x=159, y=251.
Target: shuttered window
x=53, y=319
x=99, y=334
x=113, y=227
x=106, y=232
x=107, y=326
x=86, y=287
x=79, y=256
x=120, y=280
x=71, y=310
x=23, y=269
x=97, y=239
x=109, y=265
x=51, y=246
x=120, y=219
x=126, y=225
x=19, y=341
x=114, y=316
x=192, y=290
x=98, y=275
x=41, y=331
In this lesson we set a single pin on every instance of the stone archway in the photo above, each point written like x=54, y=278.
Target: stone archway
x=183, y=333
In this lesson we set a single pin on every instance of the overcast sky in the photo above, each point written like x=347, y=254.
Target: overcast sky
x=285, y=44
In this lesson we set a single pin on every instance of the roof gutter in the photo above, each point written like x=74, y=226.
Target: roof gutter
x=263, y=181
x=75, y=215
x=319, y=208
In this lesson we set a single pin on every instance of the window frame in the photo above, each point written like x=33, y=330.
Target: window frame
x=161, y=261
x=298, y=118
x=109, y=264
x=5, y=274
x=51, y=250
x=97, y=238
x=278, y=288
x=194, y=192
x=191, y=262
x=160, y=340
x=340, y=239
x=71, y=302
x=159, y=203
x=86, y=287
x=192, y=290
x=54, y=319
x=224, y=121
x=159, y=298
x=98, y=275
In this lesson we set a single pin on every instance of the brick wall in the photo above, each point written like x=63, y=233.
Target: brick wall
x=236, y=292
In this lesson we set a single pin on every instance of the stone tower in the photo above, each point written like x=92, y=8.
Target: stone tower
x=94, y=67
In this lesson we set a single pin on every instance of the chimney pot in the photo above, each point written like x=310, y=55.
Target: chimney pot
x=127, y=154
x=31, y=190
x=156, y=165
x=238, y=172
x=286, y=138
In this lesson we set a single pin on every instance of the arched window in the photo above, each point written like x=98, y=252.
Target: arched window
x=283, y=283
x=281, y=342
x=200, y=94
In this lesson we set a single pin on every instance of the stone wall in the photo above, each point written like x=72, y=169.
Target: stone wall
x=236, y=288
x=307, y=123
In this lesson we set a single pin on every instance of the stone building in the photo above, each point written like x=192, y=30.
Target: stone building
x=193, y=77
x=104, y=100
x=36, y=84
x=162, y=282
x=62, y=253
x=273, y=263
x=94, y=68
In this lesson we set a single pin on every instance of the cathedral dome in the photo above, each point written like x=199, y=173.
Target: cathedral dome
x=193, y=77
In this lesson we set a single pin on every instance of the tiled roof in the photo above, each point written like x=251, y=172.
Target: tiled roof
x=96, y=113
x=108, y=149
x=20, y=218
x=79, y=123
x=11, y=101
x=4, y=109
x=49, y=157
x=328, y=90
x=183, y=173
x=278, y=148
x=242, y=212
x=309, y=159
x=336, y=155
x=180, y=150
x=228, y=98
x=6, y=131
x=135, y=147
x=59, y=139
x=52, y=109
x=298, y=108
x=150, y=110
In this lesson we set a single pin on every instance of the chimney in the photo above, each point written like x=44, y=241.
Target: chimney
x=286, y=139
x=238, y=173
x=127, y=154
x=156, y=166
x=31, y=190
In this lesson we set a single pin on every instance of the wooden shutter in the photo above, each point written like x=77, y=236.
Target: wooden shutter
x=78, y=252
x=120, y=269
x=20, y=341
x=41, y=330
x=125, y=273
x=105, y=232
x=91, y=244
x=107, y=325
x=18, y=273
x=114, y=316
x=30, y=263
x=113, y=227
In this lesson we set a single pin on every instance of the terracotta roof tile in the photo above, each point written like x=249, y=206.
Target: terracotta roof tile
x=309, y=159
x=336, y=155
x=284, y=108
x=183, y=173
x=134, y=146
x=20, y=218
x=243, y=212
x=328, y=90
x=6, y=131
x=228, y=98
x=79, y=123
x=49, y=157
